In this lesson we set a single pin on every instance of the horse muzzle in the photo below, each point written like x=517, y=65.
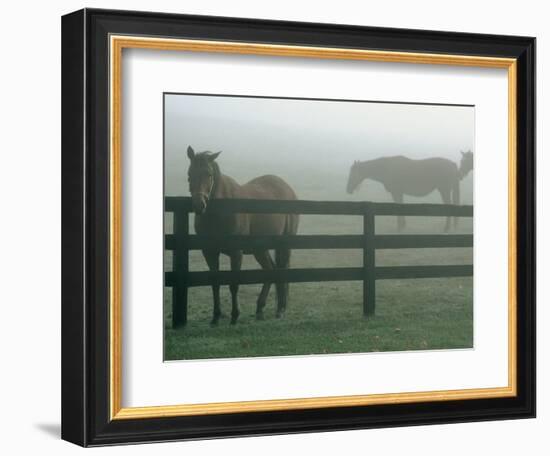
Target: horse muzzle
x=199, y=202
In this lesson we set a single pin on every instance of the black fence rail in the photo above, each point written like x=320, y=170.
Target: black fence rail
x=181, y=242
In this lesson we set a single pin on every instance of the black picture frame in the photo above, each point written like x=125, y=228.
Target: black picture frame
x=85, y=227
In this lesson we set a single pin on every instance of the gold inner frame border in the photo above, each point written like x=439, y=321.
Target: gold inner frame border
x=116, y=46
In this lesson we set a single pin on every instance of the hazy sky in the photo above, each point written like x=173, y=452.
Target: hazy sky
x=305, y=138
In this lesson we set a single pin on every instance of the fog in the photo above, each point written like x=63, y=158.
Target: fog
x=311, y=144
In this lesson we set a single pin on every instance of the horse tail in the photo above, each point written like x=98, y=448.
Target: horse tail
x=282, y=256
x=291, y=223
x=455, y=195
x=282, y=261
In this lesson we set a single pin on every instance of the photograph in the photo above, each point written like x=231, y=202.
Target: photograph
x=337, y=154
x=279, y=227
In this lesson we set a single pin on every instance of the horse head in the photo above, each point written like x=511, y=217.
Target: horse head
x=466, y=163
x=202, y=175
x=354, y=178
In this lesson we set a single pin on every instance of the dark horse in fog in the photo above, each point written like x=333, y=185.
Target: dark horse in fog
x=404, y=176
x=207, y=183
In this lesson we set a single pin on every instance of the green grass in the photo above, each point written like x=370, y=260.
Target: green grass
x=327, y=318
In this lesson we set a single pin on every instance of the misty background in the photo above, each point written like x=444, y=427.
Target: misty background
x=310, y=143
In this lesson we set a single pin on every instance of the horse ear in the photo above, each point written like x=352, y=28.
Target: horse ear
x=462, y=153
x=190, y=153
x=213, y=157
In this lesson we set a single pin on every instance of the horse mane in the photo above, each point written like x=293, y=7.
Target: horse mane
x=463, y=170
x=217, y=177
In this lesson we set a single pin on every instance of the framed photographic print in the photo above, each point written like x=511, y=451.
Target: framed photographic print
x=278, y=227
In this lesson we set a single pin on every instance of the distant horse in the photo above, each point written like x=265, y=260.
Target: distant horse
x=404, y=176
x=207, y=183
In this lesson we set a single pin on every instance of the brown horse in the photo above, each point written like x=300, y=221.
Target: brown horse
x=404, y=176
x=207, y=183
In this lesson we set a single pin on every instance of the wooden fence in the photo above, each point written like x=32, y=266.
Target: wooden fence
x=181, y=242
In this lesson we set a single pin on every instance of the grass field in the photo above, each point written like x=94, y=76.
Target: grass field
x=327, y=318
x=420, y=314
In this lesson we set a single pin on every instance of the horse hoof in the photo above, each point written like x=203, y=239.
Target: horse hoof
x=280, y=314
x=260, y=316
x=214, y=322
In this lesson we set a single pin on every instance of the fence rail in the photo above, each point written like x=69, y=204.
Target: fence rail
x=230, y=206
x=350, y=241
x=181, y=242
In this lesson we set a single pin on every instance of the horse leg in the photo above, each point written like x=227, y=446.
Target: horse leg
x=446, y=197
x=398, y=198
x=282, y=261
x=213, y=261
x=456, y=200
x=236, y=262
x=264, y=259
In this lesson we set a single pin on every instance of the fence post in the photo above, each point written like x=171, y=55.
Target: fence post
x=181, y=268
x=369, y=248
